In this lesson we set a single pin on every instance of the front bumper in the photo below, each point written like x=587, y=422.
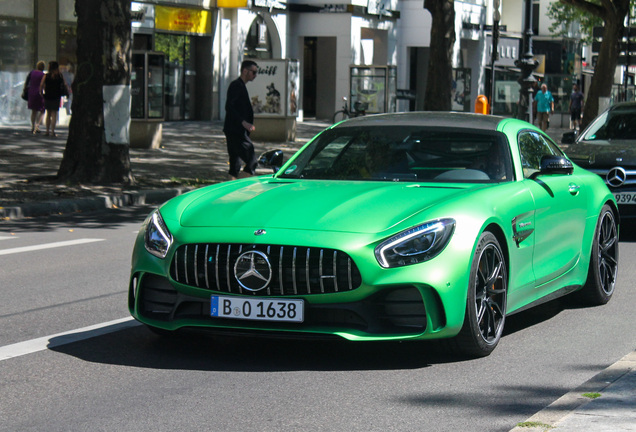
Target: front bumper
x=393, y=312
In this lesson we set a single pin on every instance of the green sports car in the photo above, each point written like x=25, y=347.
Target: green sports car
x=385, y=227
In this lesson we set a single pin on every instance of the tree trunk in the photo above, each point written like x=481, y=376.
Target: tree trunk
x=613, y=13
x=605, y=69
x=97, y=150
x=439, y=83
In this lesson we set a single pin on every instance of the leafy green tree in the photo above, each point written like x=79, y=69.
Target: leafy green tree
x=611, y=15
x=95, y=150
x=437, y=96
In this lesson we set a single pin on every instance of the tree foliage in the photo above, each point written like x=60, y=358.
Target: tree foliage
x=612, y=14
x=563, y=16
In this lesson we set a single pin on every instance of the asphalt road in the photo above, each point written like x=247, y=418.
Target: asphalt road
x=63, y=275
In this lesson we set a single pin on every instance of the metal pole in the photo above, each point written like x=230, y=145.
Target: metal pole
x=627, y=48
x=527, y=64
x=496, y=16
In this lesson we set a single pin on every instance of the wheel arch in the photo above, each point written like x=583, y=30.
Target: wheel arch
x=499, y=234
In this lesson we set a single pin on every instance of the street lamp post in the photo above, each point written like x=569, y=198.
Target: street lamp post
x=496, y=16
x=527, y=64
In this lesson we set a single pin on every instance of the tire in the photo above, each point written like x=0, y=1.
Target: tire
x=601, y=276
x=486, y=300
x=340, y=116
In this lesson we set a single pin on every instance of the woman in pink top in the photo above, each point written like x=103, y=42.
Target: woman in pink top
x=36, y=101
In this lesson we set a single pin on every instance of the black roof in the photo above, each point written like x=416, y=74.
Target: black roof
x=441, y=119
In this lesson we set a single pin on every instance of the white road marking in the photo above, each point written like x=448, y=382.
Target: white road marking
x=48, y=246
x=8, y=238
x=46, y=342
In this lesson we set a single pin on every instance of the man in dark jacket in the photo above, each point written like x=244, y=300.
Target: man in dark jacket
x=239, y=122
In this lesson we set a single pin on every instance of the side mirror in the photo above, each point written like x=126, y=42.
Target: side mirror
x=568, y=137
x=272, y=159
x=556, y=165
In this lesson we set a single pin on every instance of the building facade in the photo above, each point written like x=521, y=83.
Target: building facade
x=371, y=51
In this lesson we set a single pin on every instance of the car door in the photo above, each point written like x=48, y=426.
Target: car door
x=560, y=211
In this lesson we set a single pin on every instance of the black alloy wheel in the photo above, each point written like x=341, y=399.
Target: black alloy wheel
x=601, y=276
x=486, y=300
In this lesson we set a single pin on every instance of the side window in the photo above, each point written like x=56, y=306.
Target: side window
x=532, y=147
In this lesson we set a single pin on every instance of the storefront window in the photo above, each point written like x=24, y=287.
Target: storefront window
x=16, y=60
x=258, y=44
x=67, y=10
x=506, y=93
x=177, y=60
x=373, y=87
x=460, y=93
x=21, y=9
x=67, y=49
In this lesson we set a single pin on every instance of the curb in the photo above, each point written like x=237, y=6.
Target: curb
x=549, y=418
x=99, y=202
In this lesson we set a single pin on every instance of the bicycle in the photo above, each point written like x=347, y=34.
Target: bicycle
x=359, y=109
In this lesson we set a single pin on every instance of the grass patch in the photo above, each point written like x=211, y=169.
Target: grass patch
x=592, y=395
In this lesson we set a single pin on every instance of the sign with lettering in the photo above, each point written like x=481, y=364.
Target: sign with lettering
x=275, y=90
x=192, y=21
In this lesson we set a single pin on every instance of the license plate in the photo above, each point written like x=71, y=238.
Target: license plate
x=282, y=310
x=625, y=197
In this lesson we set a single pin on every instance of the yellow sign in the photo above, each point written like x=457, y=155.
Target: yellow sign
x=231, y=3
x=183, y=20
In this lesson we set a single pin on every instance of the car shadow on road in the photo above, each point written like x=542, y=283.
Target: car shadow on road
x=139, y=347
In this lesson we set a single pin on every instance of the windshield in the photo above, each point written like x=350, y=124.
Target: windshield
x=619, y=124
x=412, y=154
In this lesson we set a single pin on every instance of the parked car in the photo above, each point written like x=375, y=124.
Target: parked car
x=607, y=147
x=387, y=227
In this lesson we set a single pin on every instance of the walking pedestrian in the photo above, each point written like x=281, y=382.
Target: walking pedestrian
x=545, y=107
x=53, y=87
x=576, y=106
x=35, y=101
x=239, y=122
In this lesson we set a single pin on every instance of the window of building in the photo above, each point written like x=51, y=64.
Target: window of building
x=258, y=42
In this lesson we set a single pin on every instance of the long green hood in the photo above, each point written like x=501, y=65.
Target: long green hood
x=355, y=207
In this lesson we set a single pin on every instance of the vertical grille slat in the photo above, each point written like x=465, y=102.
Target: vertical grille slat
x=185, y=265
x=196, y=265
x=280, y=271
x=206, y=261
x=296, y=270
x=307, y=268
x=335, y=270
x=227, y=268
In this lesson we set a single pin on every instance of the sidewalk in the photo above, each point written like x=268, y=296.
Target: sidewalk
x=194, y=154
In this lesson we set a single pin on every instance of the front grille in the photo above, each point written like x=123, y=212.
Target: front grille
x=296, y=270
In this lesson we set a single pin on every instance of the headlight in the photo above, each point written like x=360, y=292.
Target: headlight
x=157, y=237
x=415, y=245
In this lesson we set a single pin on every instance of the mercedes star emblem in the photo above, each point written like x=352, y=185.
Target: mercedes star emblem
x=616, y=177
x=253, y=270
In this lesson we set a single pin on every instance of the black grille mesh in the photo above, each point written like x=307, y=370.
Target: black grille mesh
x=296, y=270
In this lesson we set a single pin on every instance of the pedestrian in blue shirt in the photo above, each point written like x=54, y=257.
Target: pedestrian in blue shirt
x=545, y=107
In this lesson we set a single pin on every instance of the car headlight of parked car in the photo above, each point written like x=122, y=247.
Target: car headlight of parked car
x=157, y=236
x=415, y=245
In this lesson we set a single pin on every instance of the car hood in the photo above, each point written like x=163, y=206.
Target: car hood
x=359, y=207
x=602, y=153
